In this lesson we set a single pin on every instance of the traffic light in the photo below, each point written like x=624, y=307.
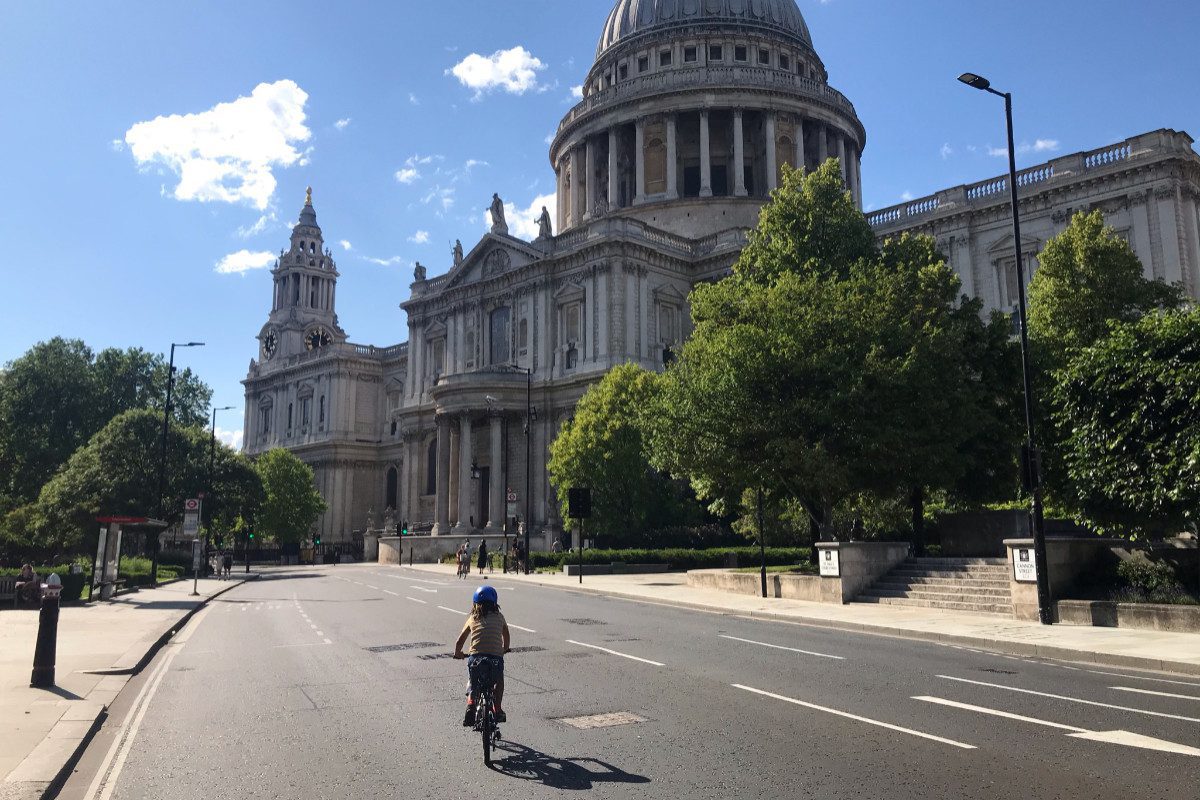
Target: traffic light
x=252, y=536
x=316, y=538
x=404, y=528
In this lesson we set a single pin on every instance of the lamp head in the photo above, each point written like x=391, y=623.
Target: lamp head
x=975, y=81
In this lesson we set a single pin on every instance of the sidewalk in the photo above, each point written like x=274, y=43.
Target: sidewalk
x=1115, y=647
x=41, y=730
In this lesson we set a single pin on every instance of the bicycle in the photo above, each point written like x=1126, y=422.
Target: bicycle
x=485, y=718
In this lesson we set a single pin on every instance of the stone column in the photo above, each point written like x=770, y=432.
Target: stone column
x=613, y=179
x=772, y=167
x=822, y=144
x=578, y=179
x=496, y=471
x=705, y=156
x=441, y=500
x=589, y=170
x=672, y=159
x=841, y=151
x=739, y=155
x=799, y=133
x=465, y=484
x=639, y=158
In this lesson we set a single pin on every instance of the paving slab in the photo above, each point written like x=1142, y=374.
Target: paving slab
x=1117, y=647
x=100, y=646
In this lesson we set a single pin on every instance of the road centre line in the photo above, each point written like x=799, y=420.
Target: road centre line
x=415, y=600
x=1138, y=677
x=1070, y=699
x=453, y=610
x=309, y=644
x=418, y=580
x=518, y=627
x=1120, y=737
x=781, y=647
x=616, y=653
x=1156, y=694
x=847, y=715
x=389, y=591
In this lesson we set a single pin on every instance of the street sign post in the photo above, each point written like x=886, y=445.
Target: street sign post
x=197, y=561
x=579, y=508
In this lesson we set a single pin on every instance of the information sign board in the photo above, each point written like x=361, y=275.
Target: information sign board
x=1024, y=565
x=191, y=524
x=831, y=566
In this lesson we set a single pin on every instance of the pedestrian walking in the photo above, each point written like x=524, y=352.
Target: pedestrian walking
x=227, y=563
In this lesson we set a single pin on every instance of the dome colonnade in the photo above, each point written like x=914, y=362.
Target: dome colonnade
x=700, y=99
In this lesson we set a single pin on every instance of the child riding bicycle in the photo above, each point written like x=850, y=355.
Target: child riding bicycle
x=487, y=633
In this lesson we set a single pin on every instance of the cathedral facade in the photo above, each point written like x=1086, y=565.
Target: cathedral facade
x=689, y=112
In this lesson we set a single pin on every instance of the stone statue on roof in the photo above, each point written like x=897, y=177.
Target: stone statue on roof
x=419, y=272
x=545, y=230
x=458, y=252
x=499, y=225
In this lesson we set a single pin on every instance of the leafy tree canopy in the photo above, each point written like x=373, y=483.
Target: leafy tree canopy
x=602, y=448
x=1129, y=402
x=291, y=503
x=59, y=394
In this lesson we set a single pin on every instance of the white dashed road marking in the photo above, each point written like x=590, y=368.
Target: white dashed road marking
x=1156, y=694
x=1071, y=699
x=615, y=653
x=781, y=647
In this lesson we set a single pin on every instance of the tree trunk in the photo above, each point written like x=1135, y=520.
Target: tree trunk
x=918, y=520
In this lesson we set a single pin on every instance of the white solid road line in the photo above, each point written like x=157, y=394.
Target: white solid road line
x=518, y=627
x=423, y=589
x=397, y=594
x=1071, y=699
x=1156, y=694
x=615, y=653
x=415, y=600
x=310, y=644
x=781, y=647
x=856, y=717
x=1139, y=677
x=1125, y=738
x=453, y=610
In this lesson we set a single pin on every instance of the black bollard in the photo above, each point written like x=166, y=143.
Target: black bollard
x=46, y=652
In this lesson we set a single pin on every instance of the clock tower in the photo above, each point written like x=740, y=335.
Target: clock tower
x=302, y=316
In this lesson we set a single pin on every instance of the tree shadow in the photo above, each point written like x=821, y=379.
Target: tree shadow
x=573, y=774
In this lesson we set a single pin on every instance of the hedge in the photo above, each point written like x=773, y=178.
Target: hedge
x=678, y=558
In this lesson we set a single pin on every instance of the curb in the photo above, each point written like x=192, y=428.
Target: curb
x=980, y=643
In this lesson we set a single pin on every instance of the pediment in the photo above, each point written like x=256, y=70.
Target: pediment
x=494, y=255
x=1004, y=245
x=667, y=293
x=569, y=291
x=435, y=330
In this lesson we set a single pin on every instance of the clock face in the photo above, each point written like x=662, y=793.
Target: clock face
x=317, y=338
x=270, y=344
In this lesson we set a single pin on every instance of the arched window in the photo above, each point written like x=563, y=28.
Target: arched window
x=392, y=488
x=431, y=468
x=498, y=338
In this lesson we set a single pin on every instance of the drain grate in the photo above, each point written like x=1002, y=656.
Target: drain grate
x=529, y=649
x=435, y=656
x=392, y=648
x=602, y=720
x=584, y=621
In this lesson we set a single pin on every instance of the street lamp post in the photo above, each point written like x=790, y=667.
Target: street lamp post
x=162, y=458
x=212, y=462
x=1030, y=461
x=530, y=418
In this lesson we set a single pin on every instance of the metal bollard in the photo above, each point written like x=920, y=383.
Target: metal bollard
x=46, y=651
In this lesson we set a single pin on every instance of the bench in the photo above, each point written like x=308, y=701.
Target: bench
x=8, y=589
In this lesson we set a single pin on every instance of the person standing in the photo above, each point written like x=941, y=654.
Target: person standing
x=483, y=555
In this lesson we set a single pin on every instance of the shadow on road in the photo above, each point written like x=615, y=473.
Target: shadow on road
x=576, y=774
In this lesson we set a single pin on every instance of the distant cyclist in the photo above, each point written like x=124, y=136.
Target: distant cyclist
x=486, y=636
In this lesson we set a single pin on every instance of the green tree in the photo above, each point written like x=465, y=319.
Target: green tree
x=116, y=473
x=291, y=503
x=55, y=397
x=1128, y=403
x=1087, y=278
x=829, y=371
x=602, y=448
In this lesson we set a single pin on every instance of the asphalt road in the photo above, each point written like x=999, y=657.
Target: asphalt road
x=337, y=683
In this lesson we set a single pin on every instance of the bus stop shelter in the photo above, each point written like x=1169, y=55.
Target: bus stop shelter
x=108, y=549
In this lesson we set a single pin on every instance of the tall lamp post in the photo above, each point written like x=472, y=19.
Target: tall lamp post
x=162, y=458
x=1030, y=457
x=212, y=464
x=530, y=418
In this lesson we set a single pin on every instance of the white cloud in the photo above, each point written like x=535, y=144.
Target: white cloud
x=1045, y=146
x=244, y=261
x=409, y=175
x=348, y=247
x=228, y=152
x=577, y=94
x=550, y=140
x=472, y=163
x=416, y=101
x=258, y=227
x=117, y=145
x=231, y=438
x=514, y=71
x=342, y=124
x=420, y=237
x=443, y=196
x=1024, y=148
x=947, y=151
x=522, y=223
x=394, y=261
x=907, y=195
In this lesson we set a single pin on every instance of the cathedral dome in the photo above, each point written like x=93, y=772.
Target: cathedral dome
x=633, y=18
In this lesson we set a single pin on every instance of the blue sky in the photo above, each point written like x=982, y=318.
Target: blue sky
x=117, y=219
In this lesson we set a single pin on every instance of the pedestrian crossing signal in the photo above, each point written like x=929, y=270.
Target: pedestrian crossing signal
x=404, y=528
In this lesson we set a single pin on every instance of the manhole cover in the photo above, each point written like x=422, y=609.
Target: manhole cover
x=435, y=656
x=602, y=720
x=584, y=621
x=391, y=648
x=529, y=649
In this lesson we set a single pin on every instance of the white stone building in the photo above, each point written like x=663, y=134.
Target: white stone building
x=689, y=111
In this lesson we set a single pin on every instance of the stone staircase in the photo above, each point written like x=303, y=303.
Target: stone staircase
x=974, y=585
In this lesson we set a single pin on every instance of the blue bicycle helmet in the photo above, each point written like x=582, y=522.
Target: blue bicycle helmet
x=485, y=594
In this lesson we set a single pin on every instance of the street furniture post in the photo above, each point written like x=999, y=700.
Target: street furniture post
x=45, y=653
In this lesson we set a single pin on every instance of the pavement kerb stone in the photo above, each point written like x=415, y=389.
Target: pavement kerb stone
x=991, y=645
x=42, y=774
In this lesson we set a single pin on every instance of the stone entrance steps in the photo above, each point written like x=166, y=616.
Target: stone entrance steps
x=975, y=585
